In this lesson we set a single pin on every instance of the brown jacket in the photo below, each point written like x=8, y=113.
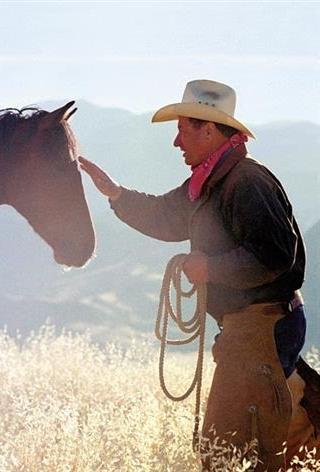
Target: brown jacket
x=243, y=221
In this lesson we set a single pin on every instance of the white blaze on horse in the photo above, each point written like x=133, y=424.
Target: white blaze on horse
x=40, y=178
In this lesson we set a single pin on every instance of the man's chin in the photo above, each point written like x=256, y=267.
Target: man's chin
x=187, y=160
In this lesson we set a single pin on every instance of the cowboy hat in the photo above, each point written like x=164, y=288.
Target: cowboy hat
x=206, y=100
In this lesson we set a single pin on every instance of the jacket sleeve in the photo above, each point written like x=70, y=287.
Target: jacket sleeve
x=258, y=214
x=162, y=217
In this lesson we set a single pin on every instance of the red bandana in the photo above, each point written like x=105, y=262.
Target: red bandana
x=201, y=172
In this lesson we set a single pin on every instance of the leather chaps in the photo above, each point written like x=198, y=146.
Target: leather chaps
x=250, y=397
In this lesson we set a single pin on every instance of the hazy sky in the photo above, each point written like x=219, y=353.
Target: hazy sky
x=139, y=55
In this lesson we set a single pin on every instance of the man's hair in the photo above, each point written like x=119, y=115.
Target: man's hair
x=226, y=130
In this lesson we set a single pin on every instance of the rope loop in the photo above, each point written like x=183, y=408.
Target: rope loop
x=193, y=327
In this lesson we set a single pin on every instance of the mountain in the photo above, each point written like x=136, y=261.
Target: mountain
x=116, y=294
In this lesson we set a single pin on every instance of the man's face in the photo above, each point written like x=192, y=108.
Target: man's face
x=194, y=142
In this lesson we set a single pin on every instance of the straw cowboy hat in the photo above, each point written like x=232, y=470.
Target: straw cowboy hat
x=206, y=100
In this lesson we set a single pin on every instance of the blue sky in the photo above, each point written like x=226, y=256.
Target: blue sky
x=139, y=55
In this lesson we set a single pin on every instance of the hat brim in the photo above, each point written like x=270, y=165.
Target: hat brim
x=201, y=112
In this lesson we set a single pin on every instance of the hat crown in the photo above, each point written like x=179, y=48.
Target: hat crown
x=208, y=92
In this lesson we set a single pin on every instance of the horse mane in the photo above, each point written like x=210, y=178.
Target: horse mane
x=60, y=140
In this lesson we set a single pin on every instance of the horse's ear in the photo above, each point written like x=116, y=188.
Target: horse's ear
x=57, y=116
x=69, y=114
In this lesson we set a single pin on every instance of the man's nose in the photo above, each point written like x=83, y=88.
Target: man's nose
x=177, y=140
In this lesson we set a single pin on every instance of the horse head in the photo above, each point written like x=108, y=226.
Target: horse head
x=40, y=178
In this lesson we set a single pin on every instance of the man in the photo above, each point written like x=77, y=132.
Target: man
x=246, y=245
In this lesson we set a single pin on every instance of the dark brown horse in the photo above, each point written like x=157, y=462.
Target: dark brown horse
x=40, y=178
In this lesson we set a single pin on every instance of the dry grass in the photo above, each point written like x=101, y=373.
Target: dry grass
x=68, y=405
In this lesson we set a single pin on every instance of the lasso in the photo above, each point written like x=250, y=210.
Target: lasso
x=195, y=327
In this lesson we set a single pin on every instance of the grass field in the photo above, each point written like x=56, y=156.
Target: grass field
x=69, y=405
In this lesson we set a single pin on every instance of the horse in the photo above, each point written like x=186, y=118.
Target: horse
x=40, y=178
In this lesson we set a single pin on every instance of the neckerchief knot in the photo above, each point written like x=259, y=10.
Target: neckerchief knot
x=201, y=172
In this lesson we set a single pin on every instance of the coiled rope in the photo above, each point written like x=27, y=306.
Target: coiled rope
x=194, y=327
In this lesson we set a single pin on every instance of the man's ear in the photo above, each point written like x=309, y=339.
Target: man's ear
x=211, y=129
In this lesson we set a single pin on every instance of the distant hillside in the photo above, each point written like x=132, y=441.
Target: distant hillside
x=116, y=294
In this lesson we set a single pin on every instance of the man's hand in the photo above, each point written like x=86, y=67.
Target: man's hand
x=101, y=179
x=195, y=267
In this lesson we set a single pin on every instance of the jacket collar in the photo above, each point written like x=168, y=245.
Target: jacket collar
x=225, y=165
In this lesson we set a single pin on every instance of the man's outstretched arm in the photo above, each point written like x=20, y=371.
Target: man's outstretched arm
x=162, y=217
